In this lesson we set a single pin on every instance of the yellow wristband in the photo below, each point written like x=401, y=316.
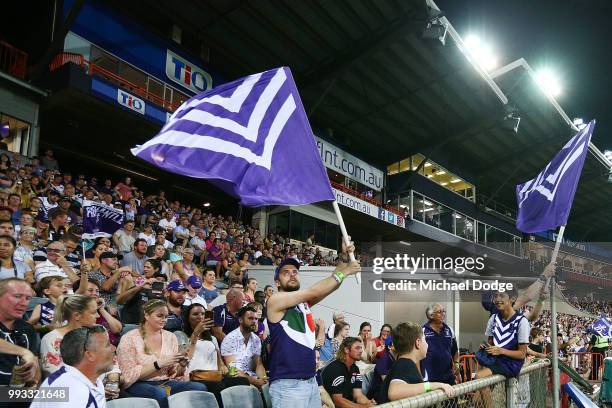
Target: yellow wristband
x=427, y=386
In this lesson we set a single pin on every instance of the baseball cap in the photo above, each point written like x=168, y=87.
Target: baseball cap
x=286, y=261
x=194, y=281
x=176, y=285
x=107, y=254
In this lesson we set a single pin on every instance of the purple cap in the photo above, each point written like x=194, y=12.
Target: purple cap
x=176, y=285
x=194, y=281
x=286, y=261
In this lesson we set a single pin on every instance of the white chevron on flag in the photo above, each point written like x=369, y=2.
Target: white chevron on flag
x=501, y=325
x=250, y=132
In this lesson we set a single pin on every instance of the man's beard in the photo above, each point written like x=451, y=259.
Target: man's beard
x=290, y=288
x=175, y=302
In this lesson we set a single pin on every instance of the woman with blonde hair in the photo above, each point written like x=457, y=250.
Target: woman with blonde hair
x=151, y=363
x=71, y=312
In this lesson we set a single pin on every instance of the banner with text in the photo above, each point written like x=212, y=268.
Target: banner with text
x=370, y=209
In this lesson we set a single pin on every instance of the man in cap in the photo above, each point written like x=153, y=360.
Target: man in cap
x=292, y=332
x=175, y=299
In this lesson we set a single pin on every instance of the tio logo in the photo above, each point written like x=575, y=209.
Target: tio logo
x=130, y=101
x=187, y=74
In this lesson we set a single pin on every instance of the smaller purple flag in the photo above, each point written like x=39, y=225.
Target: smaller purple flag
x=250, y=137
x=100, y=220
x=602, y=327
x=545, y=202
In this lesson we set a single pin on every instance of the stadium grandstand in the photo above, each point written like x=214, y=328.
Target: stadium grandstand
x=423, y=147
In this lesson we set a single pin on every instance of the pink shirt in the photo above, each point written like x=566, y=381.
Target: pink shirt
x=132, y=358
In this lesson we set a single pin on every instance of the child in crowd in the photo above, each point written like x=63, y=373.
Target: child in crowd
x=51, y=287
x=405, y=378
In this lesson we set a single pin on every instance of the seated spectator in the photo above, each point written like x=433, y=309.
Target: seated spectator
x=137, y=257
x=342, y=379
x=265, y=258
x=181, y=234
x=107, y=315
x=193, y=285
x=71, y=312
x=25, y=220
x=383, y=365
x=337, y=316
x=134, y=293
x=7, y=228
x=204, y=354
x=404, y=379
x=382, y=339
x=225, y=316
x=536, y=348
x=186, y=267
x=58, y=223
x=214, y=257
x=369, y=348
x=108, y=275
x=167, y=222
x=124, y=239
x=15, y=295
x=162, y=254
x=50, y=287
x=56, y=264
x=249, y=289
x=261, y=327
x=25, y=247
x=97, y=250
x=148, y=235
x=175, y=297
x=149, y=358
x=9, y=267
x=341, y=332
x=199, y=246
x=87, y=354
x=209, y=291
x=242, y=347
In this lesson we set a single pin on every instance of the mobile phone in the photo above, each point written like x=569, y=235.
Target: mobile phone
x=208, y=314
x=157, y=288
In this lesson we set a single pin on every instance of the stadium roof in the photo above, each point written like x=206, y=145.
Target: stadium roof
x=365, y=72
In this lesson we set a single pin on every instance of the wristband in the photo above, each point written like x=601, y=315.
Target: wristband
x=427, y=386
x=157, y=367
x=339, y=277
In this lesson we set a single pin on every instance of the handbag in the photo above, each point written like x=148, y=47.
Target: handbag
x=206, y=375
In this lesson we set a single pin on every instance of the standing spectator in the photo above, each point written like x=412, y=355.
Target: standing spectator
x=293, y=362
x=382, y=339
x=151, y=364
x=48, y=161
x=342, y=379
x=242, y=347
x=87, y=354
x=225, y=316
x=442, y=360
x=404, y=379
x=124, y=189
x=15, y=294
x=9, y=267
x=124, y=239
x=71, y=312
x=136, y=259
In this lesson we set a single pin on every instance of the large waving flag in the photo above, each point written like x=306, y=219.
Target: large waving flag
x=602, y=327
x=250, y=137
x=545, y=202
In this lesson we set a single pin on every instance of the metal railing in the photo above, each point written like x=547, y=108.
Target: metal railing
x=528, y=390
x=13, y=60
x=94, y=69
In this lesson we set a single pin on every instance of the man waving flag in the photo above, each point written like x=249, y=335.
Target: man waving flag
x=250, y=137
x=545, y=202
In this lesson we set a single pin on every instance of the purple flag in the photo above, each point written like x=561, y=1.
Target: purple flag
x=100, y=220
x=602, y=327
x=250, y=137
x=545, y=202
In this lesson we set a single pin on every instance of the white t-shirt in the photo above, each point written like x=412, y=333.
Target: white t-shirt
x=165, y=224
x=204, y=356
x=233, y=345
x=46, y=268
x=197, y=299
x=81, y=390
x=149, y=238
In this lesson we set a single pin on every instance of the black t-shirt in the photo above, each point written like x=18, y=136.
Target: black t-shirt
x=538, y=348
x=174, y=322
x=132, y=309
x=23, y=335
x=403, y=369
x=337, y=379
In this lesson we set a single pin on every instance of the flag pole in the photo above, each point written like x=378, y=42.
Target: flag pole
x=553, y=314
x=344, y=234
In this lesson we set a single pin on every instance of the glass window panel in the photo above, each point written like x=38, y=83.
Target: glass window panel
x=464, y=227
x=155, y=87
x=419, y=207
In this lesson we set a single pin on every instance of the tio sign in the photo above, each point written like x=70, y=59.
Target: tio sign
x=187, y=74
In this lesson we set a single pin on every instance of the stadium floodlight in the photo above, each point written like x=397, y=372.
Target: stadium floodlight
x=548, y=82
x=579, y=123
x=455, y=180
x=435, y=29
x=482, y=53
x=206, y=204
